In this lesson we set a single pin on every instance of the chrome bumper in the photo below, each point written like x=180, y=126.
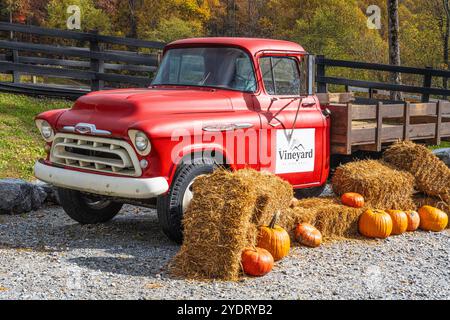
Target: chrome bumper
x=123, y=187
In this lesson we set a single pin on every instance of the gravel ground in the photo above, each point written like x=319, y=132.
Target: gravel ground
x=45, y=255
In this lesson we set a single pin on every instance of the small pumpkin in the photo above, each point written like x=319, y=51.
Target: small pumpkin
x=413, y=220
x=353, y=199
x=375, y=224
x=308, y=235
x=274, y=239
x=256, y=261
x=399, y=221
x=432, y=219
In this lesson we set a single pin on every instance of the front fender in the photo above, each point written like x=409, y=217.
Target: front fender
x=51, y=116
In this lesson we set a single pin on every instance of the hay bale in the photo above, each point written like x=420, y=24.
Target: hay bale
x=382, y=186
x=333, y=219
x=222, y=219
x=431, y=174
x=272, y=194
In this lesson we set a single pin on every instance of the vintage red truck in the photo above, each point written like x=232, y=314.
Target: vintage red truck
x=232, y=102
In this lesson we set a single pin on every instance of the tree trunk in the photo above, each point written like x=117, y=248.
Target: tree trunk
x=230, y=29
x=446, y=35
x=133, y=19
x=394, y=44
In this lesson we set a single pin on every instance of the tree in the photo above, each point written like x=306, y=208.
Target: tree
x=91, y=17
x=394, y=44
x=173, y=29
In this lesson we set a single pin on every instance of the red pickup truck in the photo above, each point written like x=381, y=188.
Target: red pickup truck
x=231, y=102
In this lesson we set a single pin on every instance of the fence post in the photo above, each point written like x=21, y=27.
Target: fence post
x=321, y=86
x=14, y=58
x=97, y=65
x=427, y=79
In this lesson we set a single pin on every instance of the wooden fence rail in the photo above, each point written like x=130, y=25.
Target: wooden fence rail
x=84, y=63
x=425, y=90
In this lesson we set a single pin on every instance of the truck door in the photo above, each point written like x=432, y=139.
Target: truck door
x=295, y=125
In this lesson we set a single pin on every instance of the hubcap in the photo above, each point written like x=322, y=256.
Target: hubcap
x=96, y=203
x=188, y=195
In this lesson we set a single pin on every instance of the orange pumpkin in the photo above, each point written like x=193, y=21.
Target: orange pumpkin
x=308, y=235
x=256, y=262
x=399, y=221
x=353, y=199
x=274, y=239
x=375, y=224
x=432, y=219
x=413, y=220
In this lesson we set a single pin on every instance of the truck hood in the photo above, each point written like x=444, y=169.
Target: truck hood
x=118, y=110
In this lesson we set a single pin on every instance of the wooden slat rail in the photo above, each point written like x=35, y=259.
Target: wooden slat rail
x=80, y=52
x=384, y=67
x=383, y=86
x=369, y=127
x=80, y=36
x=73, y=74
x=426, y=90
x=87, y=63
x=367, y=112
x=81, y=64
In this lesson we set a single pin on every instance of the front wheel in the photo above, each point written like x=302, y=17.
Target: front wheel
x=172, y=206
x=87, y=209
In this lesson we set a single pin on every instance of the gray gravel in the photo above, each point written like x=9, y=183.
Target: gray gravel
x=45, y=255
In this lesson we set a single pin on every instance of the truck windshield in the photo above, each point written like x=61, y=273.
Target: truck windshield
x=227, y=68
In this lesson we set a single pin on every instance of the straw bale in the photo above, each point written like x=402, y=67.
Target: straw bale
x=431, y=174
x=333, y=219
x=223, y=218
x=382, y=186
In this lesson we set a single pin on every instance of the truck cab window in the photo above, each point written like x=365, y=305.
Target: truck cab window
x=280, y=75
x=227, y=68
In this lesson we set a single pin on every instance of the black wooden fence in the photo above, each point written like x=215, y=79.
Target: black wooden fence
x=89, y=64
x=426, y=90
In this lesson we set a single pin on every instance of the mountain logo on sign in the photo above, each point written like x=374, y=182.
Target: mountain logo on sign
x=297, y=147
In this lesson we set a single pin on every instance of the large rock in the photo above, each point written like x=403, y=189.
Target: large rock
x=18, y=196
x=444, y=155
x=52, y=195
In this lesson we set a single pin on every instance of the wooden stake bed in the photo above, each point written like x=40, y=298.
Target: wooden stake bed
x=369, y=127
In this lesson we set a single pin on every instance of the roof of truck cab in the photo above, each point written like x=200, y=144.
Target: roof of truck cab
x=253, y=45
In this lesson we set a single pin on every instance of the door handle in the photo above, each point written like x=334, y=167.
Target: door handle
x=308, y=105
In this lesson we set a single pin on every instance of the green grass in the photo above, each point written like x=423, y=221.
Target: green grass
x=444, y=144
x=20, y=142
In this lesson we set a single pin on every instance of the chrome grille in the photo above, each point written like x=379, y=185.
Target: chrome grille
x=97, y=154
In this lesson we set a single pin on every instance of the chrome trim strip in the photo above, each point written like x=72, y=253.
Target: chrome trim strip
x=243, y=125
x=227, y=127
x=86, y=128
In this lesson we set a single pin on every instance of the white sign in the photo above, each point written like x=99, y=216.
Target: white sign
x=295, y=151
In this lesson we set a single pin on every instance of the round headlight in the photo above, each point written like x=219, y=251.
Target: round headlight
x=141, y=141
x=46, y=130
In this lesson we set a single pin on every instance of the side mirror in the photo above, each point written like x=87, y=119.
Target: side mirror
x=311, y=82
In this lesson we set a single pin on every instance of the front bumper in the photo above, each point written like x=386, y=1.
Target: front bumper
x=123, y=187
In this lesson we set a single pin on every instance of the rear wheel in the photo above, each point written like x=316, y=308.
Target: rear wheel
x=172, y=206
x=309, y=192
x=87, y=209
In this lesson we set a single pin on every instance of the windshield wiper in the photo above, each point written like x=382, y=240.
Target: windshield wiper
x=201, y=83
